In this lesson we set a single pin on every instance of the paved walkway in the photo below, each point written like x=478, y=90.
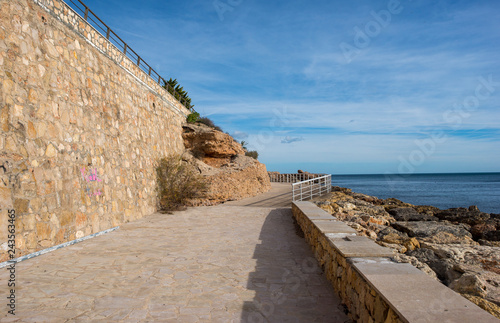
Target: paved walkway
x=279, y=196
x=206, y=264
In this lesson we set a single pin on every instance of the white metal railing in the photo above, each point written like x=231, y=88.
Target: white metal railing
x=311, y=187
x=291, y=178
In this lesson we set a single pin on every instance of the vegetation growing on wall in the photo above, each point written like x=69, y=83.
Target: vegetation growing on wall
x=177, y=183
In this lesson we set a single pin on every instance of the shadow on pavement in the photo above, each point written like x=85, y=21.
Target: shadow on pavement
x=289, y=285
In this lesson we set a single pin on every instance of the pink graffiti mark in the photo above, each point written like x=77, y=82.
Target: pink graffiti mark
x=96, y=193
x=92, y=177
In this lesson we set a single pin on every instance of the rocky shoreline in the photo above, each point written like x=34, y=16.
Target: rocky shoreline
x=459, y=247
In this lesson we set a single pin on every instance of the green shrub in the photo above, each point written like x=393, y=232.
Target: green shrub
x=193, y=117
x=177, y=183
x=252, y=153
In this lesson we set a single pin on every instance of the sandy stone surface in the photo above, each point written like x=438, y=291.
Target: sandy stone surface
x=207, y=264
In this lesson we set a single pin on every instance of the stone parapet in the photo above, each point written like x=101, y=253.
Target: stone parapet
x=370, y=284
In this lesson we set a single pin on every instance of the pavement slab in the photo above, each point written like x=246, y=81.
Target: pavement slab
x=206, y=264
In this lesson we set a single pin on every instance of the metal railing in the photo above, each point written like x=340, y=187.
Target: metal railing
x=312, y=187
x=291, y=178
x=91, y=18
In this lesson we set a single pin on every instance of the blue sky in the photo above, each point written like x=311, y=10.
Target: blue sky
x=343, y=87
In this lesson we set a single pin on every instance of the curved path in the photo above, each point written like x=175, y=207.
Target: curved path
x=224, y=263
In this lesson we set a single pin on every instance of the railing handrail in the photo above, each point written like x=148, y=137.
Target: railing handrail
x=275, y=177
x=314, y=186
x=310, y=180
x=137, y=60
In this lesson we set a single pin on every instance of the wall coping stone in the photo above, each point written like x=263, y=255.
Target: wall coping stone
x=415, y=296
x=332, y=226
x=357, y=246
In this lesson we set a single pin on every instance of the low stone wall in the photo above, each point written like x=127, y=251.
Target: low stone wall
x=370, y=284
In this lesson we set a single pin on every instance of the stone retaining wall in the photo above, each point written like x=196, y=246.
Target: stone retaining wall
x=81, y=128
x=370, y=284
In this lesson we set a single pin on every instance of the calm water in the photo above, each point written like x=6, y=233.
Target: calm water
x=440, y=190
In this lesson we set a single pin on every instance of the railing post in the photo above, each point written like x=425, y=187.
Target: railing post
x=124, y=48
x=138, y=61
x=107, y=34
x=86, y=13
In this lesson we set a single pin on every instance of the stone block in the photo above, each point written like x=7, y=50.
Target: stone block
x=66, y=218
x=50, y=151
x=31, y=241
x=43, y=231
x=357, y=246
x=80, y=220
x=21, y=206
x=5, y=197
x=28, y=222
x=332, y=226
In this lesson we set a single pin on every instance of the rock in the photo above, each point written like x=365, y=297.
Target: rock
x=480, y=261
x=493, y=235
x=208, y=142
x=237, y=184
x=426, y=209
x=412, y=244
x=391, y=235
x=448, y=238
x=367, y=198
x=409, y=214
x=221, y=161
x=442, y=267
x=487, y=230
x=489, y=243
x=471, y=284
x=490, y=307
x=50, y=151
x=423, y=229
x=391, y=203
x=341, y=189
x=471, y=216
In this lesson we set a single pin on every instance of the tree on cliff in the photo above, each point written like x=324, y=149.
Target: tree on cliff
x=172, y=85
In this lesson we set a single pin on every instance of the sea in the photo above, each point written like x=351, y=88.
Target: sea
x=440, y=190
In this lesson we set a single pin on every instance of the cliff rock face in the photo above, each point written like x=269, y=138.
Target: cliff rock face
x=221, y=160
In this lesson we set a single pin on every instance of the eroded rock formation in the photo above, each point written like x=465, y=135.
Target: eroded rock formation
x=221, y=160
